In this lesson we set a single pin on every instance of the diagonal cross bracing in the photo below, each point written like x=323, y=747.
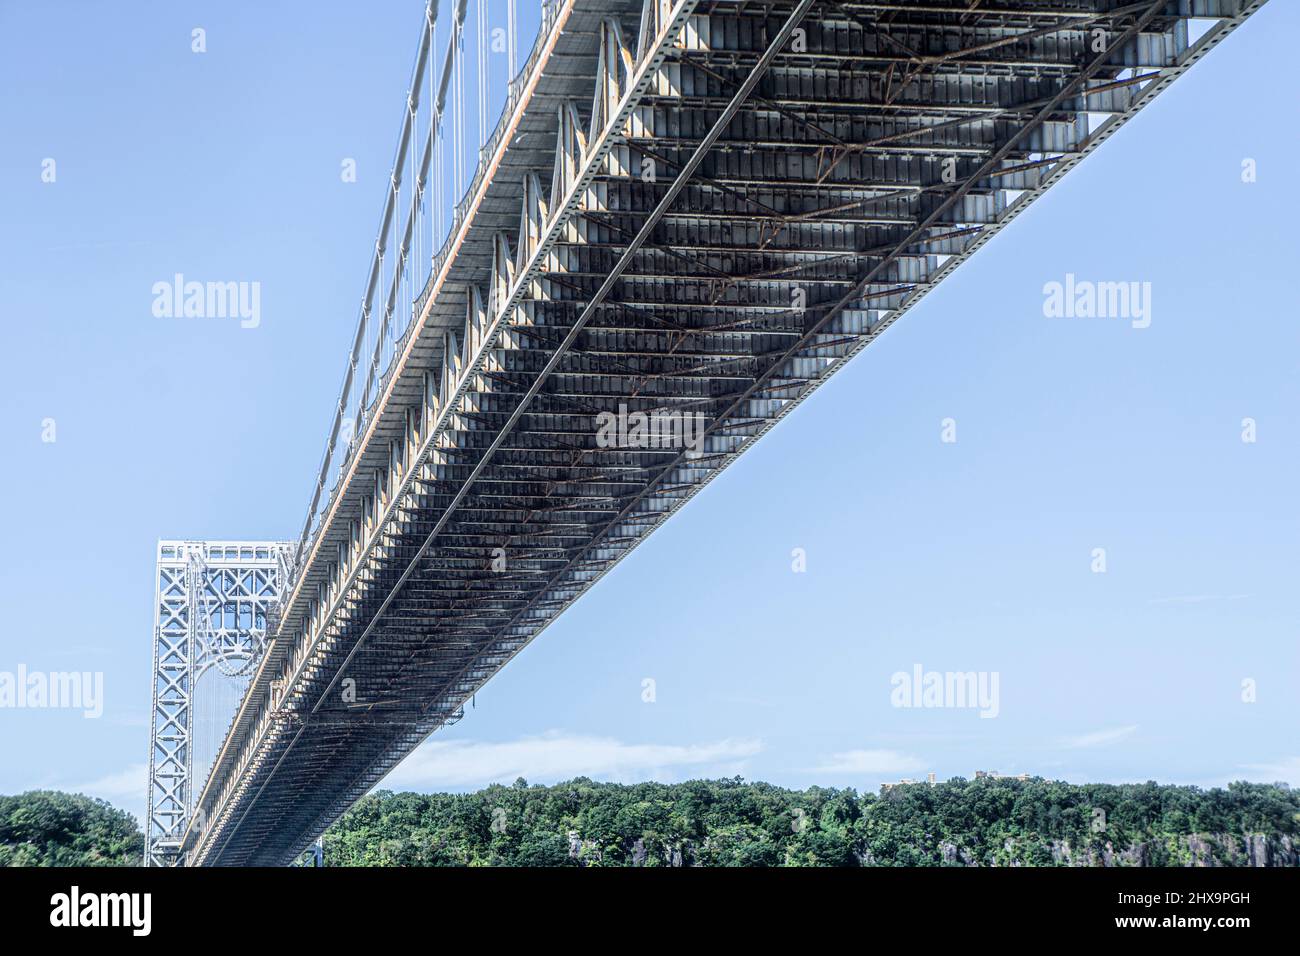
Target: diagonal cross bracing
x=746, y=198
x=211, y=604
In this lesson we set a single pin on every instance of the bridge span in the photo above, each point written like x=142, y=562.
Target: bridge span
x=690, y=214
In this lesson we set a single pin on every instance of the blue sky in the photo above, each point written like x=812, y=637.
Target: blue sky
x=968, y=556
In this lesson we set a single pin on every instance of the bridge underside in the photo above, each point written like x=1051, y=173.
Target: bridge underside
x=757, y=191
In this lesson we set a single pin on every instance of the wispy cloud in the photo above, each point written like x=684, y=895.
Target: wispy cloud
x=123, y=788
x=1099, y=738
x=80, y=650
x=113, y=786
x=1287, y=769
x=868, y=762
x=558, y=756
x=1198, y=598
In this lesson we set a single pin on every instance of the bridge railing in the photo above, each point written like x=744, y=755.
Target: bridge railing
x=397, y=287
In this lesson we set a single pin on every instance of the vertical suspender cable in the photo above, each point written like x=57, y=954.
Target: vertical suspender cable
x=433, y=138
x=370, y=331
x=438, y=189
x=408, y=298
x=458, y=108
x=397, y=249
x=512, y=28
x=413, y=227
x=482, y=73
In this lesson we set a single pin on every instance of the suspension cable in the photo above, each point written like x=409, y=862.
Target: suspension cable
x=482, y=72
x=458, y=120
x=512, y=28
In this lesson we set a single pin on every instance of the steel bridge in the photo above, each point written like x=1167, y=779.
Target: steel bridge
x=689, y=215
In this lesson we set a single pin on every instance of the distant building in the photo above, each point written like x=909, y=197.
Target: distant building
x=929, y=778
x=994, y=775
x=979, y=775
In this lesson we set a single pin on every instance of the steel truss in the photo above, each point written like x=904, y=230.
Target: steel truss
x=211, y=608
x=750, y=196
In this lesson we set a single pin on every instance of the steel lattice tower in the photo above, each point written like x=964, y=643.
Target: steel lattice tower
x=211, y=608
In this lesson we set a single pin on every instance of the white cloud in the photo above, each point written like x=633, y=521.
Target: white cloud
x=113, y=786
x=869, y=762
x=1287, y=769
x=1198, y=598
x=558, y=756
x=124, y=789
x=1099, y=738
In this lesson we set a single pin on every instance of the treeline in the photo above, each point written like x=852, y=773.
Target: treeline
x=983, y=822
x=48, y=828
x=732, y=823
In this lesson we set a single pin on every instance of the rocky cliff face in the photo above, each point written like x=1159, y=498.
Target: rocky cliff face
x=1197, y=849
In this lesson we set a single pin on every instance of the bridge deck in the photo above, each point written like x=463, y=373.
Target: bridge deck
x=758, y=191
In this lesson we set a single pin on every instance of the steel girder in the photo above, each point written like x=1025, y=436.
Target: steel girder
x=756, y=192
